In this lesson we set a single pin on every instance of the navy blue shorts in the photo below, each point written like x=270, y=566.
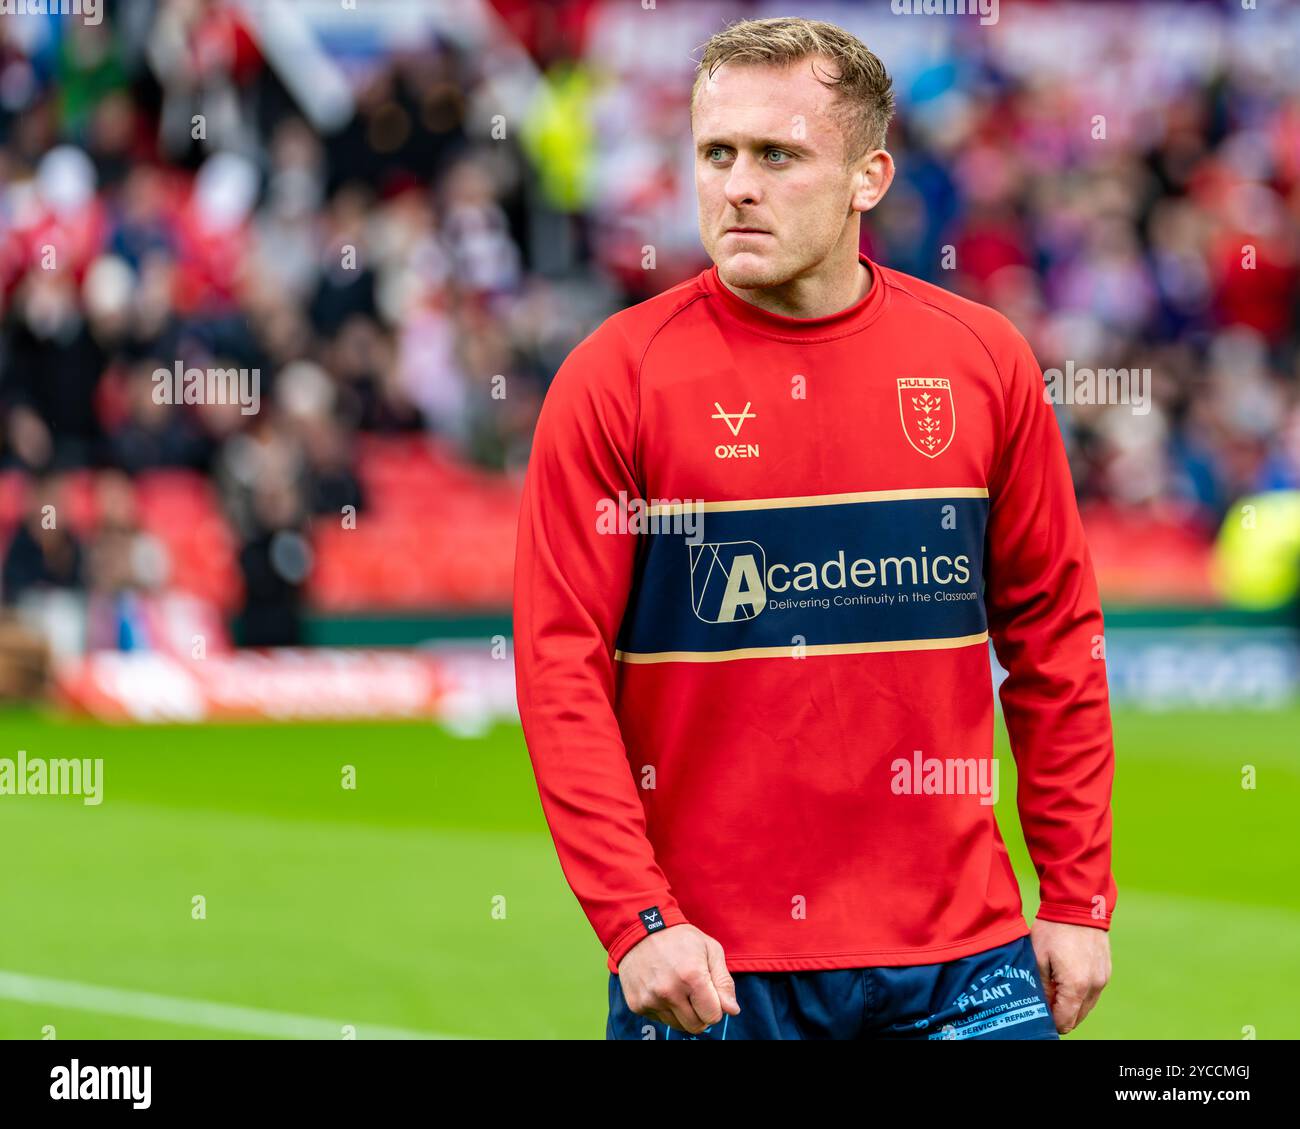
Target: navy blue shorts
x=996, y=994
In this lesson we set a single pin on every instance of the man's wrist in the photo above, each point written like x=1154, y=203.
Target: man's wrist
x=649, y=920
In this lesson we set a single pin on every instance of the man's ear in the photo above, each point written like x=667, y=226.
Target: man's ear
x=874, y=175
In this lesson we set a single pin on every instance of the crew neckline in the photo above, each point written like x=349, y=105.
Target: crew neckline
x=851, y=319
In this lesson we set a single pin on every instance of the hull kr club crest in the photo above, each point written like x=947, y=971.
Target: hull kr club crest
x=926, y=407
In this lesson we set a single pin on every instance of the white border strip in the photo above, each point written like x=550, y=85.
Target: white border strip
x=194, y=1013
x=668, y=509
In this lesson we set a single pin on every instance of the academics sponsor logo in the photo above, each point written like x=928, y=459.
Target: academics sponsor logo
x=812, y=575
x=731, y=580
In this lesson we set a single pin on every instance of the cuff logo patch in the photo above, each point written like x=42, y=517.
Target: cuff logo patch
x=652, y=919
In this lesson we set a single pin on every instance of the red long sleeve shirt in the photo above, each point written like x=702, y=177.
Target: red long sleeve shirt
x=759, y=562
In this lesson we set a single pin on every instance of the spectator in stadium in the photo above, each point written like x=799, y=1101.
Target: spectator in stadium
x=43, y=553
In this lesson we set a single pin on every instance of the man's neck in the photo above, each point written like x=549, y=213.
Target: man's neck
x=812, y=298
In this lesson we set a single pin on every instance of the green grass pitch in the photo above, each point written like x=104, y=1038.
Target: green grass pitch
x=429, y=899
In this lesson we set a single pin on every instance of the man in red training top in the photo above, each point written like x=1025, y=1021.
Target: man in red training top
x=771, y=520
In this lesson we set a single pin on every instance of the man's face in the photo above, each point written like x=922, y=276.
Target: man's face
x=769, y=156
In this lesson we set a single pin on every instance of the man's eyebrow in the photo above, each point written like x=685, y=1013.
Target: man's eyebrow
x=755, y=143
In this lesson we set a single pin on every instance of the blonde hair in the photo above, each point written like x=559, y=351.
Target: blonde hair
x=866, y=99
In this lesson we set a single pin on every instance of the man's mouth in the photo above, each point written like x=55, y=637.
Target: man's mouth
x=746, y=231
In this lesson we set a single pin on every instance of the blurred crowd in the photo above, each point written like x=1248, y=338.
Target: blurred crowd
x=163, y=201
x=424, y=264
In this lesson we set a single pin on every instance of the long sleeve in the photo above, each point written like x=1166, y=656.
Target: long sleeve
x=1045, y=620
x=572, y=580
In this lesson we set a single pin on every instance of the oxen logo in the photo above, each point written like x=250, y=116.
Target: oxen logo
x=727, y=580
x=926, y=407
x=739, y=417
x=735, y=421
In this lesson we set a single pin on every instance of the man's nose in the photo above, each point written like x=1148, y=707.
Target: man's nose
x=742, y=182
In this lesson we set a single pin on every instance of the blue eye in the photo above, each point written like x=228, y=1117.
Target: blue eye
x=782, y=152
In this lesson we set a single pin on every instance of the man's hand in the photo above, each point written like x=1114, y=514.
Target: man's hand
x=1074, y=962
x=678, y=977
